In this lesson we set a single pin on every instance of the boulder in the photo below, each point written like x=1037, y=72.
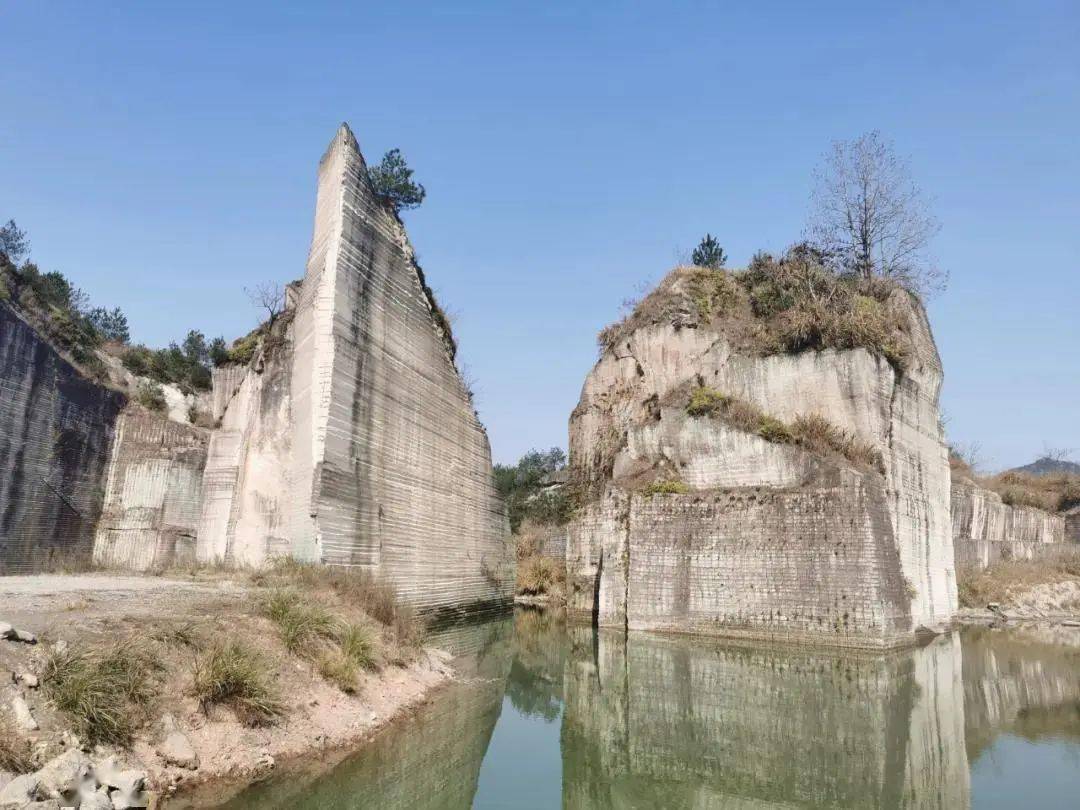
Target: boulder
x=67, y=778
x=23, y=716
x=176, y=749
x=19, y=792
x=127, y=788
x=29, y=680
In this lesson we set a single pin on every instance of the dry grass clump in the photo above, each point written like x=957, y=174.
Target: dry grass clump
x=539, y=576
x=819, y=435
x=355, y=587
x=786, y=305
x=319, y=623
x=302, y=625
x=105, y=693
x=16, y=756
x=231, y=674
x=978, y=588
x=1055, y=492
x=813, y=432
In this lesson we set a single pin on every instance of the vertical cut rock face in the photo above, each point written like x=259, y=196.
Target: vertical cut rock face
x=55, y=429
x=986, y=530
x=153, y=493
x=356, y=443
x=770, y=541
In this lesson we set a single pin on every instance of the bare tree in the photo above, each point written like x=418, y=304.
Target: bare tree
x=1057, y=453
x=871, y=219
x=968, y=452
x=269, y=297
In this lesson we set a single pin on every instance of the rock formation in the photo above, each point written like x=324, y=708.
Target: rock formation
x=761, y=538
x=55, y=430
x=353, y=440
x=986, y=530
x=350, y=439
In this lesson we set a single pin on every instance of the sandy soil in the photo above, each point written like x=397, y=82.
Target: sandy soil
x=95, y=608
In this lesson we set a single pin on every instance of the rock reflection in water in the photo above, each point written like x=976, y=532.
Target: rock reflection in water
x=430, y=762
x=677, y=722
x=664, y=723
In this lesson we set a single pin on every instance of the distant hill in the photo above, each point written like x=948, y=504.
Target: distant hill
x=1049, y=466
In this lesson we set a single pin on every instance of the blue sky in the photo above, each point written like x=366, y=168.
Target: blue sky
x=164, y=155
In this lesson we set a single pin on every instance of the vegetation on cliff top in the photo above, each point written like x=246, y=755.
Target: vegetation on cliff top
x=777, y=305
x=1051, y=492
x=870, y=228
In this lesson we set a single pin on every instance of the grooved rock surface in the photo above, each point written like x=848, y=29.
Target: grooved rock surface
x=986, y=530
x=356, y=443
x=153, y=494
x=55, y=429
x=816, y=548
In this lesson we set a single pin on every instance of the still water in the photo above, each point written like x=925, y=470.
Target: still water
x=551, y=716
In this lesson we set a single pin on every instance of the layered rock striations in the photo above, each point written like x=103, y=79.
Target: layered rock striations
x=153, y=493
x=356, y=443
x=698, y=524
x=986, y=530
x=55, y=432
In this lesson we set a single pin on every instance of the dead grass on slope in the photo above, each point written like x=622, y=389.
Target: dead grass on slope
x=1001, y=581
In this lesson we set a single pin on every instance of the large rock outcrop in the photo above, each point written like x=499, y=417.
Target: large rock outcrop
x=55, y=431
x=986, y=530
x=765, y=539
x=354, y=441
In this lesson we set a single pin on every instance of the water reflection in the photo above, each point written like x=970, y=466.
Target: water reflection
x=656, y=722
x=660, y=722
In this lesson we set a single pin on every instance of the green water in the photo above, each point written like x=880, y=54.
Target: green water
x=554, y=716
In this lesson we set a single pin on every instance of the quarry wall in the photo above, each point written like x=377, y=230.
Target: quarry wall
x=354, y=441
x=153, y=493
x=986, y=530
x=701, y=562
x=55, y=431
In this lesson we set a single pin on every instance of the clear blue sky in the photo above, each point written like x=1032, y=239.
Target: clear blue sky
x=164, y=155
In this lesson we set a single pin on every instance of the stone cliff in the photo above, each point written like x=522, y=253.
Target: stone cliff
x=56, y=427
x=350, y=438
x=728, y=525
x=986, y=530
x=354, y=441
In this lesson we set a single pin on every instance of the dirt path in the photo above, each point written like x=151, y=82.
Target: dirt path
x=63, y=604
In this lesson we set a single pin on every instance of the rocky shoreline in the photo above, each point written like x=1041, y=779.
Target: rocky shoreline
x=183, y=754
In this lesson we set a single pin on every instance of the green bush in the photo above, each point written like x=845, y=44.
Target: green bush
x=709, y=254
x=522, y=487
x=669, y=487
x=392, y=180
x=187, y=366
x=152, y=397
